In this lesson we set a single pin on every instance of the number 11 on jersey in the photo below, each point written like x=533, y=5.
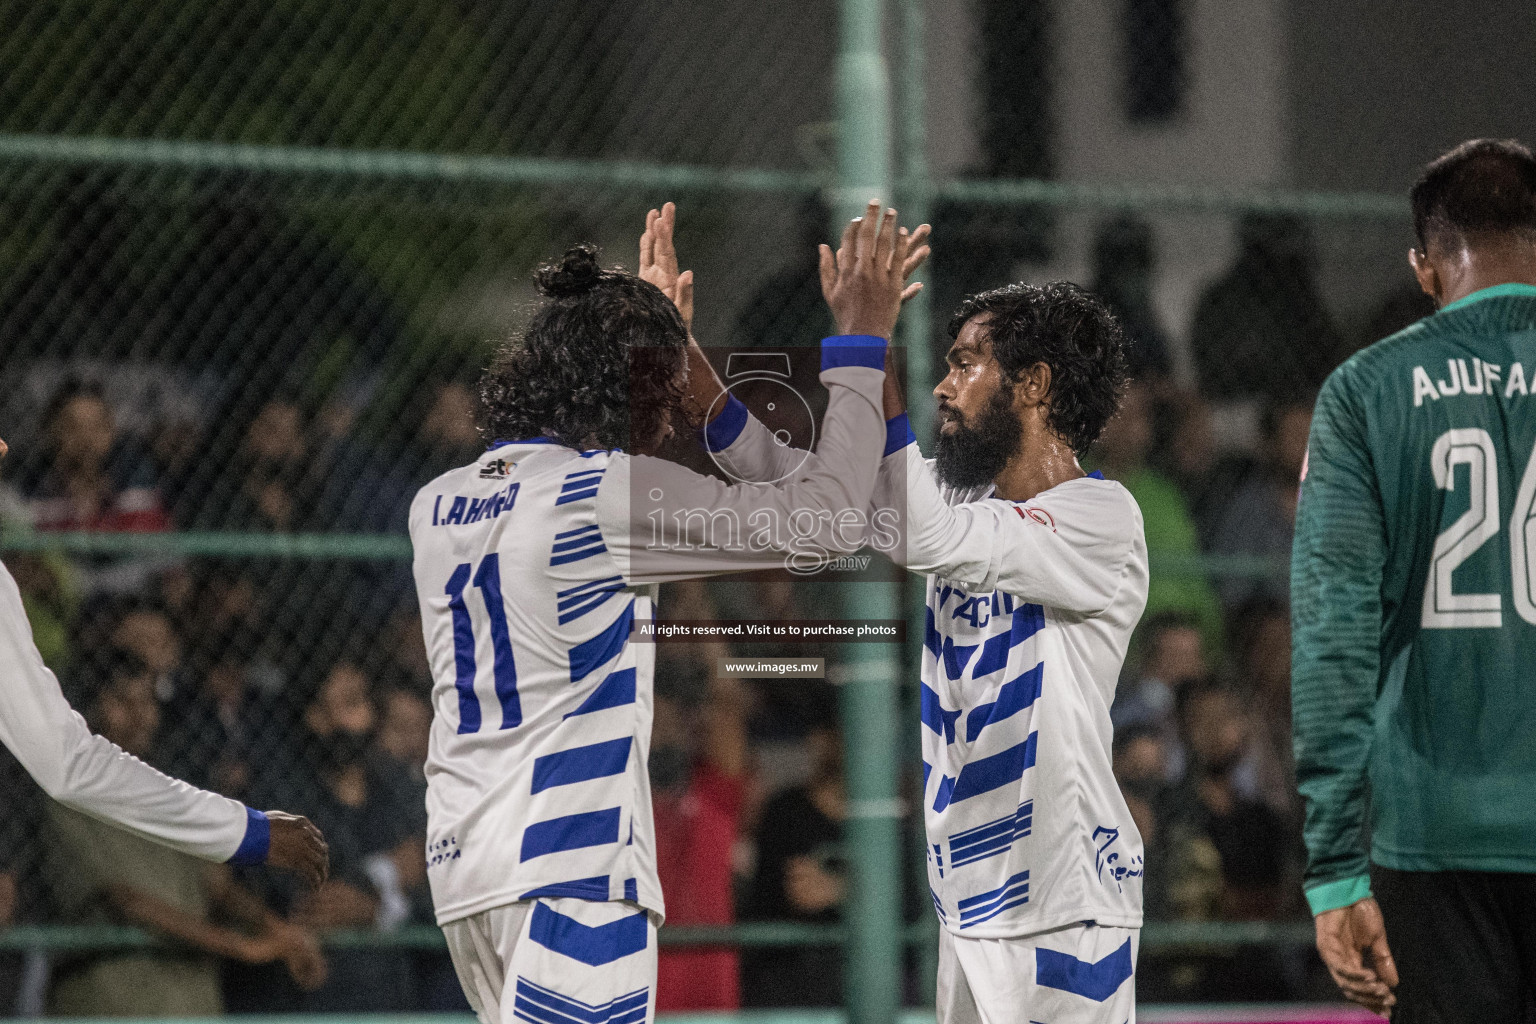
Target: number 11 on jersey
x=487, y=579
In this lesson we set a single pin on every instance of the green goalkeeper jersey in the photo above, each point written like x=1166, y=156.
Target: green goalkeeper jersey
x=1413, y=586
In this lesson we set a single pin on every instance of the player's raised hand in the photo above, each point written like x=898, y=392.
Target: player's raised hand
x=918, y=252
x=1344, y=936
x=658, y=262
x=658, y=265
x=297, y=845
x=865, y=280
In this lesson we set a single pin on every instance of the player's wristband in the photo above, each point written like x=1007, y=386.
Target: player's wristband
x=1345, y=892
x=257, y=842
x=898, y=433
x=722, y=431
x=853, y=350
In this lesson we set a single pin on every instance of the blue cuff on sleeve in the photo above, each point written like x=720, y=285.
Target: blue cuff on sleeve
x=898, y=433
x=722, y=431
x=853, y=350
x=1345, y=892
x=257, y=842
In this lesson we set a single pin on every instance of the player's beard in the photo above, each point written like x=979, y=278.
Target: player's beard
x=974, y=455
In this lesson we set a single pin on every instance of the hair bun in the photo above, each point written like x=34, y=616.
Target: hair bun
x=577, y=272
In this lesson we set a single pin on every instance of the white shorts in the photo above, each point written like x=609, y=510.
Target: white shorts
x=1081, y=974
x=552, y=961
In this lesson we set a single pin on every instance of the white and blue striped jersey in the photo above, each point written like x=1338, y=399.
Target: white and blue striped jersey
x=531, y=565
x=1030, y=609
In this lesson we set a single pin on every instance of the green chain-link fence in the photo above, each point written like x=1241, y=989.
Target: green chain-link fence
x=253, y=257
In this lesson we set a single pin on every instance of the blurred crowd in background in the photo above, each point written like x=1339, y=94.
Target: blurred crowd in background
x=304, y=685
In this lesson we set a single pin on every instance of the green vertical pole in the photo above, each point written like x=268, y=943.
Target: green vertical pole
x=916, y=192
x=870, y=691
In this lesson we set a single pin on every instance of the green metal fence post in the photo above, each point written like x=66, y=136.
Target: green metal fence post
x=870, y=695
x=915, y=195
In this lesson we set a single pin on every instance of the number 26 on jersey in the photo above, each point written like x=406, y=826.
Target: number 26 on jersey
x=1443, y=607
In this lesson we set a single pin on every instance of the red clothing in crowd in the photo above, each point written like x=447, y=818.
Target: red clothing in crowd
x=132, y=510
x=695, y=833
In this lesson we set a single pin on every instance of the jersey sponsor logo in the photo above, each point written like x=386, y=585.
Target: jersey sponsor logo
x=495, y=469
x=442, y=851
x=1038, y=514
x=1112, y=868
x=978, y=610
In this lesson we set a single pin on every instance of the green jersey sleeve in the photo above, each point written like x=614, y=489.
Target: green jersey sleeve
x=1336, y=576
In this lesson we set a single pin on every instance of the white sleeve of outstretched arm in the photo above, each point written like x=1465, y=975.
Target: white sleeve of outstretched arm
x=1072, y=547
x=665, y=522
x=84, y=771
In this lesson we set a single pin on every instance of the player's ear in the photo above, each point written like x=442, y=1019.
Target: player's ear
x=1033, y=387
x=1424, y=270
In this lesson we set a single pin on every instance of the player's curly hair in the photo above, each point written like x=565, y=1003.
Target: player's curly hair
x=599, y=363
x=1069, y=330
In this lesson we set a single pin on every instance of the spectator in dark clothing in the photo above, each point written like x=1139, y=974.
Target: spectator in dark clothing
x=218, y=729
x=1224, y=853
x=1172, y=654
x=228, y=614
x=1262, y=631
x=1123, y=454
x=1208, y=810
x=1184, y=448
x=93, y=479
x=405, y=726
x=146, y=631
x=1123, y=265
x=374, y=820
x=801, y=876
x=1141, y=768
x=1259, y=518
x=269, y=485
x=1261, y=330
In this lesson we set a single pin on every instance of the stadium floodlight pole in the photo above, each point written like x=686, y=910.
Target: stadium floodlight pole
x=870, y=692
